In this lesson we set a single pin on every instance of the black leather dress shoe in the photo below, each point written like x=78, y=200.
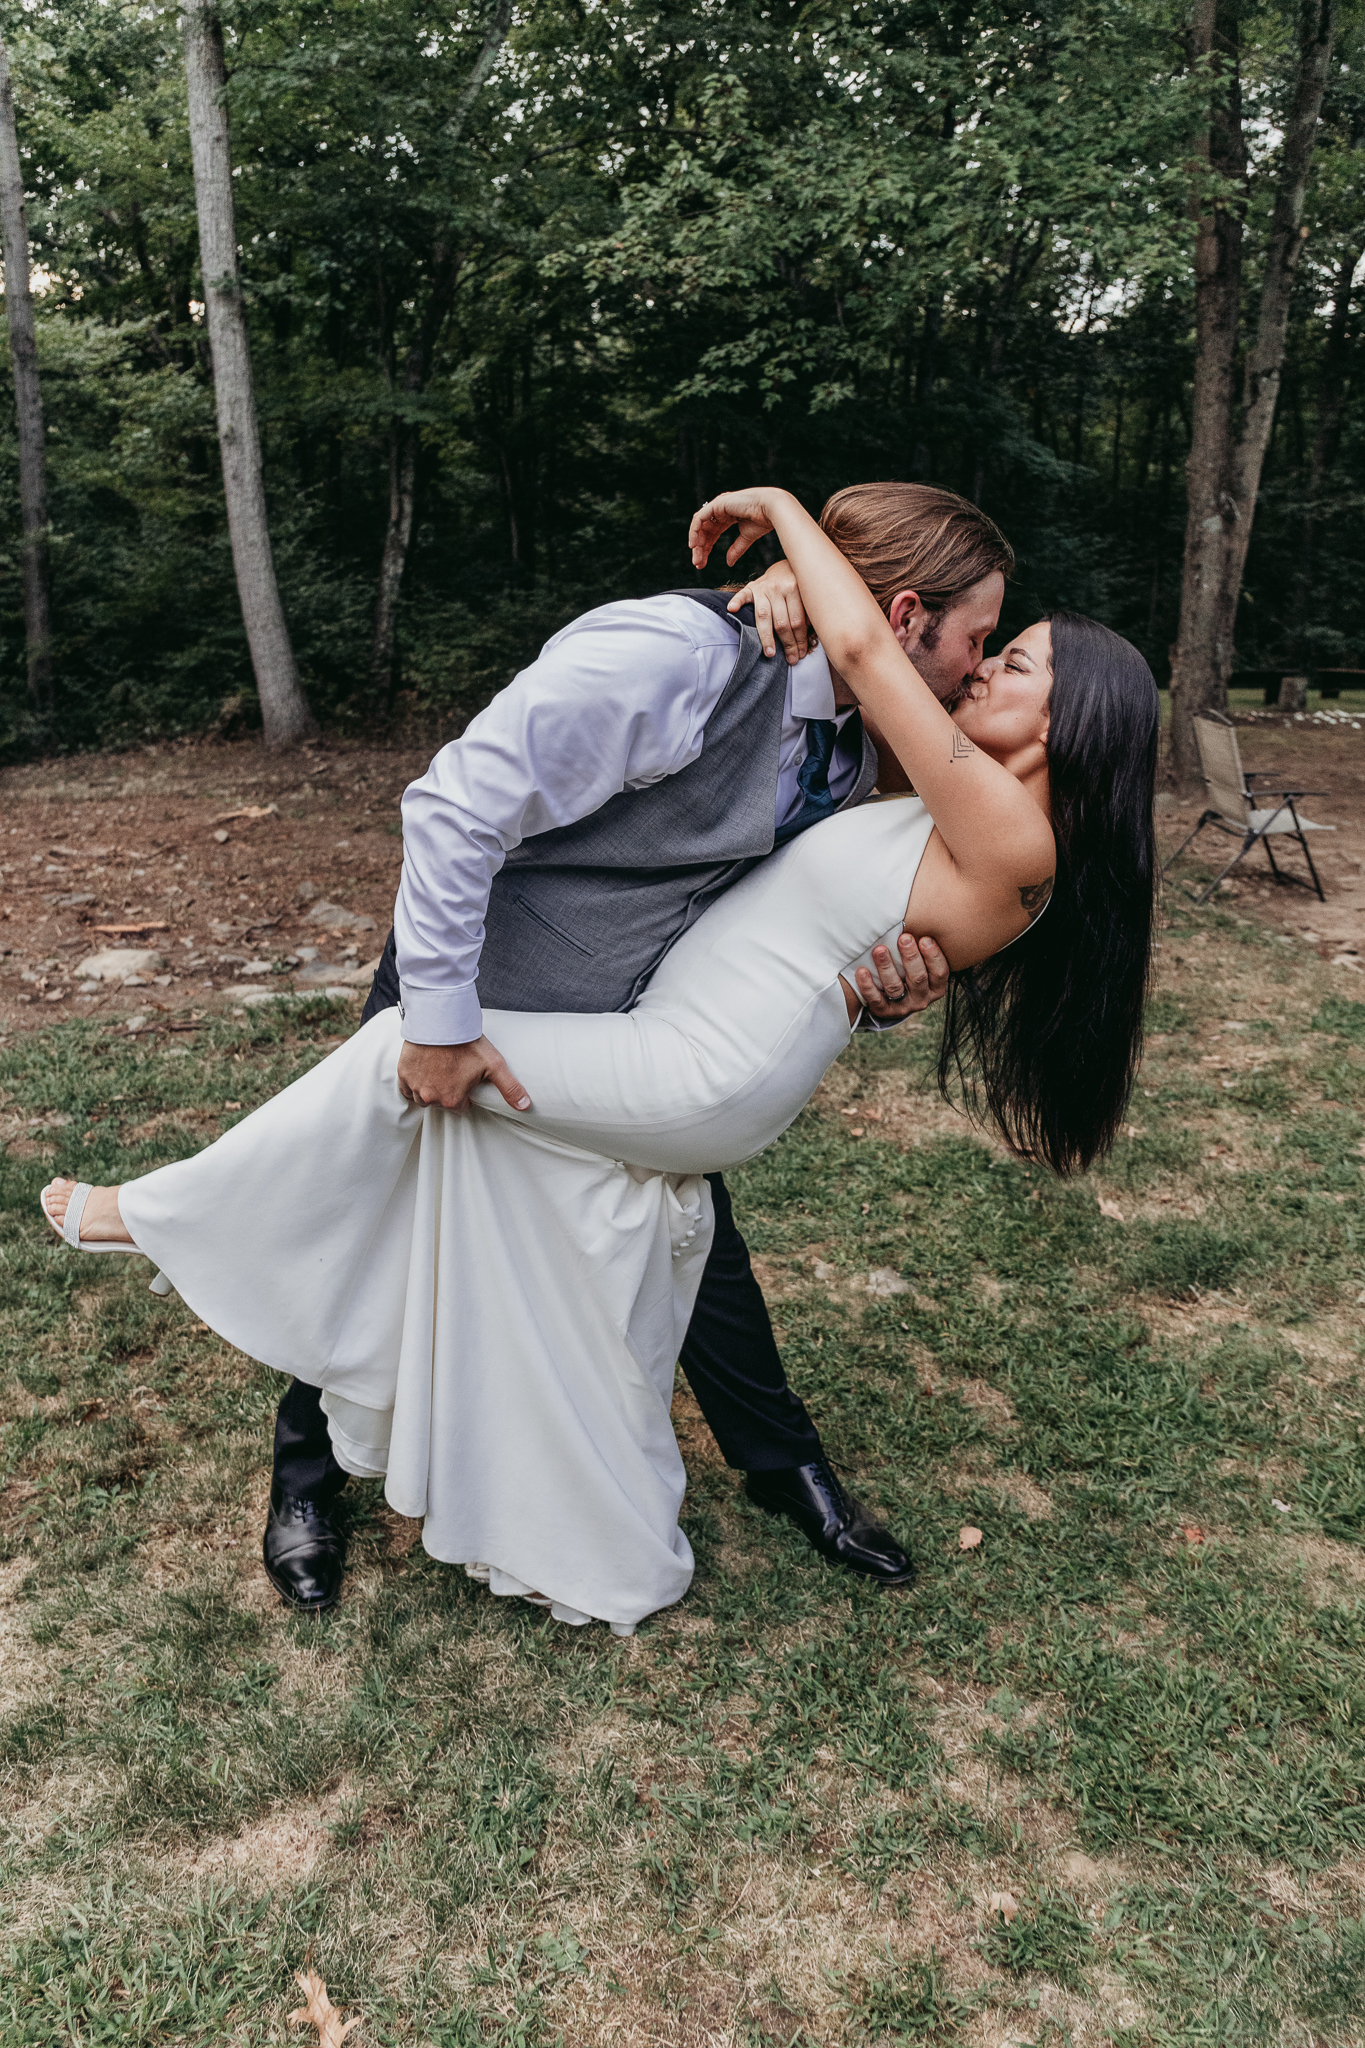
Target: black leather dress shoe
x=838, y=1526
x=304, y=1552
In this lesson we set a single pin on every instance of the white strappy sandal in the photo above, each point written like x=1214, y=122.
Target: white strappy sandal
x=69, y=1229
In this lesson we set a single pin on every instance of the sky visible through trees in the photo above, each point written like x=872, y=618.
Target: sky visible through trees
x=525, y=284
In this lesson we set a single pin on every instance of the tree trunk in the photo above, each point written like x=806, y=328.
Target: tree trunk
x=1326, y=440
x=403, y=433
x=1228, y=447
x=284, y=708
x=1201, y=658
x=393, y=561
x=28, y=405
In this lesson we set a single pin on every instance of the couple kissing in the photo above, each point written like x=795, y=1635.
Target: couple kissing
x=646, y=897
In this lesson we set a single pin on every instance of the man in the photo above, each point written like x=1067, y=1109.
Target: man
x=558, y=848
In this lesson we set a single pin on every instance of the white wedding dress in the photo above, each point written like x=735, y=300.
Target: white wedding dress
x=493, y=1304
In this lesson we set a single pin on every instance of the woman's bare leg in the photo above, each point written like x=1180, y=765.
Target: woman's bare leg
x=101, y=1222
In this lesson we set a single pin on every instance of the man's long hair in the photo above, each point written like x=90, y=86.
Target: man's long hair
x=1049, y=1033
x=916, y=537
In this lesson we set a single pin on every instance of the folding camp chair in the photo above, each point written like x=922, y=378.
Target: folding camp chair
x=1240, y=810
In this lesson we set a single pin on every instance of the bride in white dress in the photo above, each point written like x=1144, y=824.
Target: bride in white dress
x=493, y=1303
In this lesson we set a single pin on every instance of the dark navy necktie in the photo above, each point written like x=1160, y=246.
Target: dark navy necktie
x=817, y=798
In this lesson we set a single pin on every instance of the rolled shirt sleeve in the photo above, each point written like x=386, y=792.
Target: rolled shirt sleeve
x=616, y=701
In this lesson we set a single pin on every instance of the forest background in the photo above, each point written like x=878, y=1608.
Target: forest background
x=500, y=357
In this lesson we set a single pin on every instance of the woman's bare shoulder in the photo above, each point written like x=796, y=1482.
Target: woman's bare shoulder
x=970, y=923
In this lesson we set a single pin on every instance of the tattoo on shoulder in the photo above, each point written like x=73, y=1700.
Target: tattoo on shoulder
x=962, y=746
x=1035, y=896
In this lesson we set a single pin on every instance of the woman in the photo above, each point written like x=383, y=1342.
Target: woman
x=512, y=1377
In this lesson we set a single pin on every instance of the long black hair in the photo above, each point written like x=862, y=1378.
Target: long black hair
x=1049, y=1032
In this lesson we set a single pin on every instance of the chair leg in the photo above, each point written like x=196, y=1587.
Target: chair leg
x=1188, y=842
x=1243, y=849
x=1303, y=842
x=1271, y=858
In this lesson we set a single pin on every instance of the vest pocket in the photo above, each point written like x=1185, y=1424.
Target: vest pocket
x=551, y=926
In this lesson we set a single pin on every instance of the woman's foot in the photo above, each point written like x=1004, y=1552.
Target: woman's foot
x=100, y=1224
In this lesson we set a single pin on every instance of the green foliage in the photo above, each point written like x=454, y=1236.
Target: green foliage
x=830, y=245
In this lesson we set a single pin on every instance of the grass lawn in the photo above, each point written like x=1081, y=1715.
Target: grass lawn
x=780, y=1814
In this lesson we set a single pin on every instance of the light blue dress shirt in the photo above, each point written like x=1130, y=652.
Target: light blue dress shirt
x=617, y=700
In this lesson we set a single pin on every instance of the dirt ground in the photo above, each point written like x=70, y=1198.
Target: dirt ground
x=1298, y=756
x=158, y=850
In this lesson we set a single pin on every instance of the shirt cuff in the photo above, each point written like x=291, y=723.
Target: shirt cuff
x=867, y=1022
x=441, y=1016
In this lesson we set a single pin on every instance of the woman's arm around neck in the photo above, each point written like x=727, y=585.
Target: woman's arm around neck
x=995, y=832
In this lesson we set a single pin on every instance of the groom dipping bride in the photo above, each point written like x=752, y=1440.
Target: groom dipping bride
x=496, y=1300
x=553, y=853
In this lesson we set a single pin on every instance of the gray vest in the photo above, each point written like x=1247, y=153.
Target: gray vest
x=580, y=917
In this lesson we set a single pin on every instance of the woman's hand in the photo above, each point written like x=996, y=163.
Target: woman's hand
x=778, y=610
x=749, y=510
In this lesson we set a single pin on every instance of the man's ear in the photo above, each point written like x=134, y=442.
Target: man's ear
x=907, y=617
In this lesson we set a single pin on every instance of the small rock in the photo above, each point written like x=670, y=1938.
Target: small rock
x=308, y=952
x=1005, y=1904
x=254, y=967
x=307, y=892
x=119, y=963
x=339, y=919
x=349, y=977
x=885, y=1280
x=221, y=836
x=137, y=1023
x=1165, y=800
x=824, y=1271
x=70, y=902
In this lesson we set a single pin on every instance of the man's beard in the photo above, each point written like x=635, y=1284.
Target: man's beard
x=928, y=643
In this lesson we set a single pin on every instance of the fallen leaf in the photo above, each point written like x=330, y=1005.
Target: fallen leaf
x=1282, y=1505
x=1005, y=1904
x=320, y=2012
x=1193, y=1534
x=1108, y=1208
x=249, y=811
x=856, y=1131
x=232, y=1105
x=969, y=1538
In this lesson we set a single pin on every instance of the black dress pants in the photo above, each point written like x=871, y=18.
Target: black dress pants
x=730, y=1357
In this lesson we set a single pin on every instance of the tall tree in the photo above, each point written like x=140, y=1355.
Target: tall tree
x=28, y=405
x=1231, y=430
x=284, y=708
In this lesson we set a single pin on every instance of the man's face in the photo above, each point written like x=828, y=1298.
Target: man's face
x=946, y=647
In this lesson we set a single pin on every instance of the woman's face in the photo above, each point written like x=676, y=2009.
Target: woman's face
x=1005, y=712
